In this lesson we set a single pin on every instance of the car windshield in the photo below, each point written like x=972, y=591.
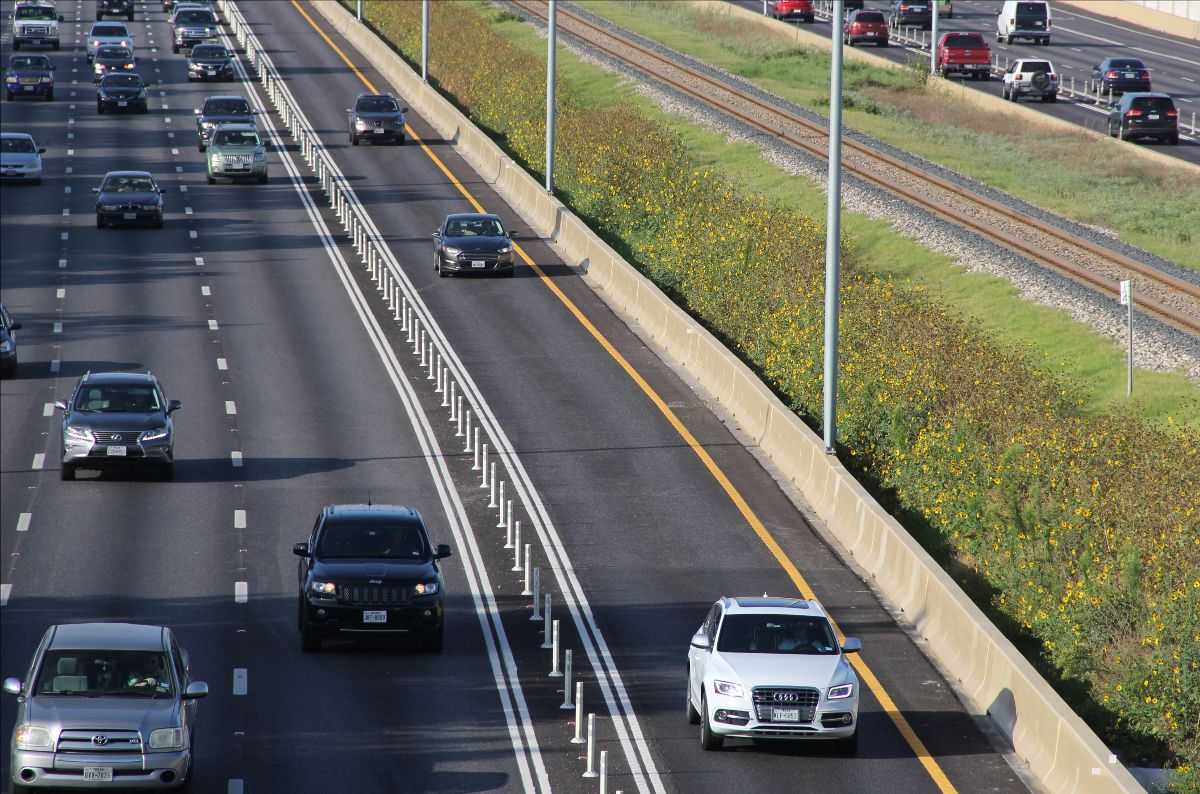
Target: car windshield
x=211, y=51
x=377, y=104
x=84, y=673
x=873, y=17
x=115, y=398
x=128, y=184
x=799, y=634
x=236, y=138
x=477, y=227
x=194, y=17
x=1159, y=103
x=1125, y=63
x=19, y=146
x=373, y=540
x=121, y=81
x=37, y=12
x=117, y=31
x=114, y=53
x=226, y=107
x=29, y=62
x=965, y=40
x=1035, y=66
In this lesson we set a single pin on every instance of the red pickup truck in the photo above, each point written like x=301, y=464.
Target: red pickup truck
x=965, y=53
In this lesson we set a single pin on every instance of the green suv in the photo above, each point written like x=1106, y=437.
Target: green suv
x=237, y=152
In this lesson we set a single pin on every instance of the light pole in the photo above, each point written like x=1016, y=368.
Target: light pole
x=933, y=37
x=833, y=225
x=359, y=11
x=425, y=40
x=550, y=78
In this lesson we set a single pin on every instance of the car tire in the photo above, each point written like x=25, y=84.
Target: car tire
x=211, y=180
x=67, y=472
x=16, y=44
x=308, y=640
x=511, y=272
x=145, y=109
x=262, y=180
x=883, y=43
x=1122, y=133
x=1174, y=139
x=693, y=716
x=100, y=108
x=57, y=45
x=158, y=224
x=436, y=643
x=99, y=17
x=847, y=746
x=50, y=95
x=175, y=48
x=354, y=140
x=99, y=223
x=200, y=147
x=8, y=96
x=37, y=181
x=167, y=472
x=17, y=788
x=708, y=740
x=129, y=17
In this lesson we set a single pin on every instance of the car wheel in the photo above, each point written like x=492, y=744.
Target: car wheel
x=99, y=108
x=354, y=140
x=16, y=44
x=262, y=180
x=211, y=180
x=175, y=48
x=50, y=95
x=99, y=223
x=883, y=43
x=693, y=716
x=309, y=641
x=200, y=147
x=511, y=272
x=1174, y=139
x=144, y=109
x=37, y=181
x=8, y=96
x=99, y=16
x=67, y=472
x=436, y=643
x=847, y=746
x=167, y=472
x=129, y=18
x=1123, y=133
x=708, y=739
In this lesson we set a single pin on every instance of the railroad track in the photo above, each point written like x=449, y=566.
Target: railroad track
x=1160, y=295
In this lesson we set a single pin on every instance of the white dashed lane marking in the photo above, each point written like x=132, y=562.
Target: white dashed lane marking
x=235, y=783
x=54, y=365
x=222, y=364
x=235, y=458
x=239, y=681
x=61, y=293
x=48, y=409
x=239, y=519
x=212, y=325
x=39, y=460
x=230, y=408
x=58, y=328
x=6, y=593
x=200, y=262
x=62, y=263
x=23, y=522
x=192, y=234
x=241, y=592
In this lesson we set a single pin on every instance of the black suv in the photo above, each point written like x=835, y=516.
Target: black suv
x=114, y=8
x=118, y=418
x=370, y=570
x=1145, y=115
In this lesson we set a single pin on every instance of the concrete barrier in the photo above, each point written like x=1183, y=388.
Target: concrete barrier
x=1062, y=752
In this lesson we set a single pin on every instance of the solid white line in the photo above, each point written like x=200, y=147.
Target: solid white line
x=183, y=188
x=222, y=364
x=23, y=522
x=62, y=263
x=48, y=409
x=39, y=460
x=1190, y=80
x=235, y=458
x=212, y=325
x=240, y=683
x=241, y=592
x=5, y=594
x=187, y=210
x=67, y=189
x=230, y=407
x=239, y=519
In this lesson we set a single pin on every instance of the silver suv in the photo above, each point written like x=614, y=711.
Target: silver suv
x=105, y=705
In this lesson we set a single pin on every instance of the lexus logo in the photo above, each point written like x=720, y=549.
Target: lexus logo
x=99, y=740
x=116, y=436
x=787, y=697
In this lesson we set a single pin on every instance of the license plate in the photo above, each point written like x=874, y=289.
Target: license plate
x=122, y=103
x=129, y=216
x=115, y=452
x=785, y=715
x=375, y=616
x=477, y=263
x=1130, y=75
x=103, y=773
x=1153, y=117
x=379, y=131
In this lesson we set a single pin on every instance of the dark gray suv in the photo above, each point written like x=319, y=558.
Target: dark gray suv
x=377, y=118
x=118, y=418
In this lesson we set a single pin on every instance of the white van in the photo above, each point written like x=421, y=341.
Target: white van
x=1024, y=19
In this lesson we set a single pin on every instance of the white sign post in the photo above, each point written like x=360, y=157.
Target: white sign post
x=1127, y=301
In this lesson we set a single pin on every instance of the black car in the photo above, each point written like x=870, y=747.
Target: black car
x=220, y=110
x=8, y=344
x=210, y=62
x=1141, y=115
x=910, y=14
x=119, y=92
x=471, y=242
x=114, y=8
x=1119, y=75
x=376, y=118
x=370, y=570
x=118, y=419
x=112, y=60
x=128, y=197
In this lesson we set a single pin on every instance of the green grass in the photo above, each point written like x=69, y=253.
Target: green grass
x=1094, y=365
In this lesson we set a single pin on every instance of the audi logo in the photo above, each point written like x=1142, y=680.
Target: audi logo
x=99, y=740
x=787, y=697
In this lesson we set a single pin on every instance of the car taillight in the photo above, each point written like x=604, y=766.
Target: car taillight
x=1133, y=112
x=1172, y=112
x=1110, y=75
x=1144, y=75
x=1018, y=76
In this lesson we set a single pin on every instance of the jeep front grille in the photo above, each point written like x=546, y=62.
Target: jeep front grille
x=369, y=594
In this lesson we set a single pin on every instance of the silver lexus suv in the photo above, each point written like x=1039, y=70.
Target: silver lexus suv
x=105, y=705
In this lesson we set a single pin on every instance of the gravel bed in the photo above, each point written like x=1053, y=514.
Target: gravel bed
x=1157, y=346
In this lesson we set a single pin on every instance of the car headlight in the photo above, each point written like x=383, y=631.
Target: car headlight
x=729, y=689
x=260, y=157
x=168, y=739
x=397, y=122
x=322, y=588
x=208, y=125
x=426, y=588
x=80, y=432
x=12, y=78
x=6, y=346
x=452, y=251
x=839, y=692
x=129, y=66
x=142, y=94
x=47, y=79
x=154, y=434
x=100, y=67
x=31, y=737
x=96, y=43
x=362, y=124
x=195, y=67
x=506, y=249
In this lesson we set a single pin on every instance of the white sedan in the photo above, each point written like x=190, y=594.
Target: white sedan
x=20, y=157
x=772, y=668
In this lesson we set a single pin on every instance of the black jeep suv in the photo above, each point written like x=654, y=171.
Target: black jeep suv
x=114, y=8
x=370, y=570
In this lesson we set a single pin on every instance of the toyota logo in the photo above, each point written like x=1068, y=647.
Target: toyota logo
x=787, y=697
x=99, y=740
x=116, y=436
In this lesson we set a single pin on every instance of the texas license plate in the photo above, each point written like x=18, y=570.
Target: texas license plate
x=129, y=216
x=375, y=616
x=380, y=130
x=122, y=103
x=115, y=452
x=100, y=773
x=212, y=72
x=785, y=715
x=1153, y=117
x=477, y=263
x=1130, y=75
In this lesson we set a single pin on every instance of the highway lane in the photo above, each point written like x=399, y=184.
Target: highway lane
x=135, y=549
x=1079, y=41
x=650, y=535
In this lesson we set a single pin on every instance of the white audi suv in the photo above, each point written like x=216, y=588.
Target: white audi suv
x=772, y=668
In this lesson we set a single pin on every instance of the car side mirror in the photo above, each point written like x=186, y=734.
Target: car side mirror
x=300, y=549
x=851, y=645
x=196, y=112
x=12, y=686
x=196, y=690
x=16, y=327
x=442, y=552
x=404, y=110
x=54, y=68
x=436, y=235
x=700, y=640
x=173, y=405
x=95, y=190
x=41, y=150
x=161, y=191
x=348, y=110
x=61, y=18
x=60, y=405
x=513, y=235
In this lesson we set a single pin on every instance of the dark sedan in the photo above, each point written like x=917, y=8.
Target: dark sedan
x=112, y=60
x=29, y=75
x=220, y=110
x=128, y=197
x=210, y=62
x=8, y=343
x=473, y=243
x=1119, y=75
x=1138, y=115
x=910, y=14
x=118, y=92
x=376, y=118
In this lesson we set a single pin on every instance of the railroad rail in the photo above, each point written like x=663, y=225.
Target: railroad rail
x=1163, y=296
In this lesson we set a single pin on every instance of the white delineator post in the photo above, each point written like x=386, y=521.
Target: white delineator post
x=1127, y=301
x=591, y=747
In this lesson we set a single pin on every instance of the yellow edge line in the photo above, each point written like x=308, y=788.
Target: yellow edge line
x=872, y=682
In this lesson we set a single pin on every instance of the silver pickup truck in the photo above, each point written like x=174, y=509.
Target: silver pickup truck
x=104, y=706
